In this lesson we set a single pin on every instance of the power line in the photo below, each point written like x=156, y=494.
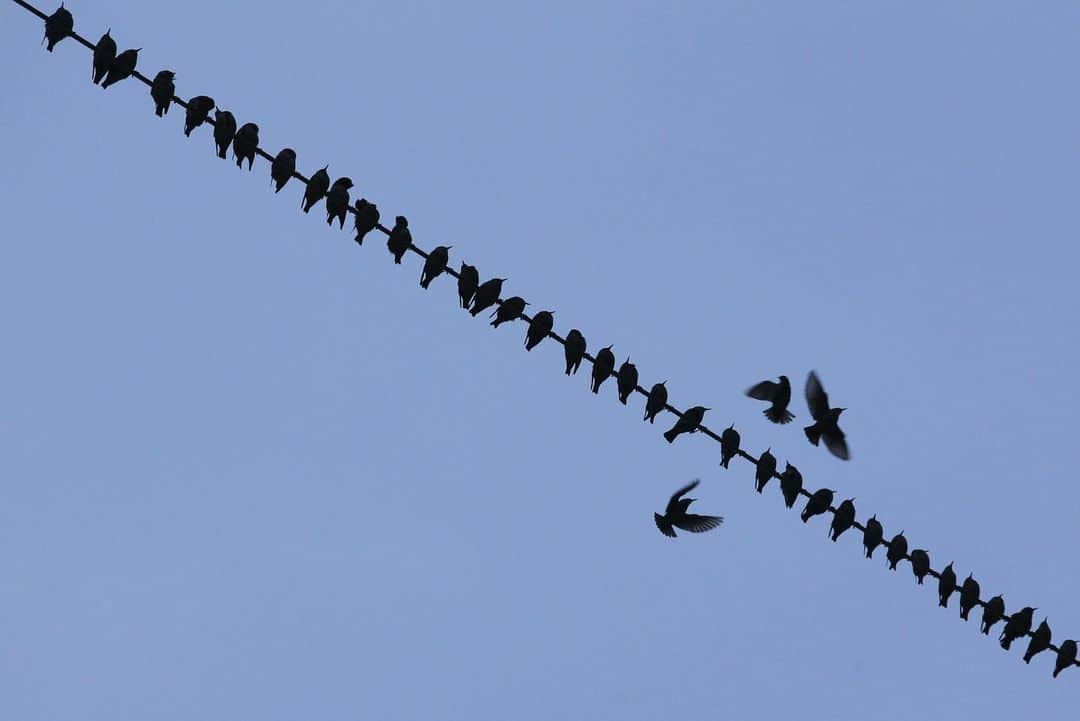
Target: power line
x=587, y=356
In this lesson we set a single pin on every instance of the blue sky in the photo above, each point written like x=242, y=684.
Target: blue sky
x=252, y=471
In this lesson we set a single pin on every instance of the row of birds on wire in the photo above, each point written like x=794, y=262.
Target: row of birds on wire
x=110, y=67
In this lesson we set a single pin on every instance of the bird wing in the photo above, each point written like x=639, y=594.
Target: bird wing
x=674, y=502
x=816, y=398
x=699, y=524
x=837, y=444
x=763, y=391
x=664, y=527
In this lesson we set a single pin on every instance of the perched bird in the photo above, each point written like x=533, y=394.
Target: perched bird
x=1019, y=624
x=104, y=57
x=337, y=201
x=825, y=419
x=675, y=516
x=766, y=467
x=872, y=536
x=367, y=219
x=1066, y=656
x=844, y=518
x=574, y=347
x=626, y=379
x=245, y=144
x=920, y=564
x=790, y=484
x=224, y=131
x=1039, y=642
x=162, y=90
x=198, y=110
x=687, y=423
x=282, y=168
x=400, y=238
x=58, y=26
x=122, y=67
x=510, y=309
x=468, y=282
x=778, y=394
x=316, y=188
x=540, y=325
x=435, y=264
x=969, y=596
x=946, y=585
x=656, y=401
x=603, y=367
x=897, y=550
x=819, y=503
x=729, y=445
x=993, y=612
x=485, y=296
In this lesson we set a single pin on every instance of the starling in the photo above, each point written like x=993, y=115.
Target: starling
x=1039, y=642
x=468, y=280
x=485, y=296
x=602, y=368
x=104, y=57
x=1019, y=624
x=540, y=325
x=920, y=564
x=316, y=188
x=245, y=144
x=58, y=26
x=122, y=67
x=825, y=419
x=778, y=394
x=434, y=265
x=819, y=503
x=993, y=612
x=729, y=445
x=626, y=379
x=367, y=219
x=282, y=168
x=687, y=423
x=656, y=401
x=510, y=309
x=766, y=467
x=1066, y=656
x=224, y=131
x=162, y=90
x=897, y=550
x=337, y=201
x=844, y=518
x=946, y=585
x=400, y=238
x=872, y=536
x=198, y=110
x=790, y=484
x=575, y=350
x=675, y=516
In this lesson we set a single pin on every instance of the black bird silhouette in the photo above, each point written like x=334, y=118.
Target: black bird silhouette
x=400, y=238
x=825, y=419
x=819, y=503
x=872, y=536
x=540, y=325
x=122, y=67
x=844, y=518
x=729, y=445
x=367, y=219
x=468, y=282
x=656, y=401
x=282, y=168
x=574, y=348
x=317, y=186
x=946, y=585
x=626, y=379
x=766, y=467
x=687, y=423
x=224, y=131
x=603, y=366
x=1019, y=624
x=1066, y=656
x=485, y=296
x=675, y=516
x=993, y=612
x=58, y=26
x=162, y=90
x=969, y=596
x=198, y=110
x=104, y=57
x=920, y=564
x=511, y=309
x=435, y=264
x=790, y=484
x=337, y=201
x=778, y=394
x=245, y=144
x=1039, y=642
x=897, y=550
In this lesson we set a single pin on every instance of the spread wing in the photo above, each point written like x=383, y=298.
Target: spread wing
x=837, y=444
x=763, y=391
x=816, y=398
x=673, y=504
x=699, y=524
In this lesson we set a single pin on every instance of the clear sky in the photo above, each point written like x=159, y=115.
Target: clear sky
x=251, y=471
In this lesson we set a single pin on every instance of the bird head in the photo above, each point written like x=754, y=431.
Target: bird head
x=448, y=247
x=784, y=379
x=169, y=74
x=609, y=347
x=839, y=411
x=401, y=220
x=345, y=182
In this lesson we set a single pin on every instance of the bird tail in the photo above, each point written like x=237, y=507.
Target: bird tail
x=1006, y=641
x=1027, y=657
x=669, y=436
x=475, y=310
x=778, y=415
x=813, y=434
x=870, y=551
x=623, y=397
x=920, y=579
x=1058, y=670
x=760, y=485
x=964, y=612
x=892, y=563
x=159, y=111
x=805, y=514
x=424, y=281
x=650, y=416
x=596, y=389
x=986, y=628
x=221, y=152
x=943, y=601
x=725, y=460
x=664, y=525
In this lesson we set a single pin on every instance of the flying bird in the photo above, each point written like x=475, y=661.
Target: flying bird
x=825, y=419
x=1019, y=624
x=58, y=26
x=434, y=265
x=104, y=57
x=969, y=596
x=510, y=310
x=603, y=367
x=1066, y=656
x=790, y=484
x=920, y=564
x=993, y=612
x=486, y=294
x=367, y=219
x=766, y=467
x=539, y=327
x=778, y=394
x=316, y=188
x=675, y=516
x=162, y=90
x=656, y=401
x=574, y=348
x=897, y=550
x=282, y=168
x=819, y=503
x=337, y=201
x=468, y=282
x=122, y=67
x=1040, y=641
x=245, y=144
x=198, y=110
x=687, y=423
x=872, y=536
x=946, y=585
x=626, y=379
x=844, y=518
x=224, y=131
x=729, y=445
